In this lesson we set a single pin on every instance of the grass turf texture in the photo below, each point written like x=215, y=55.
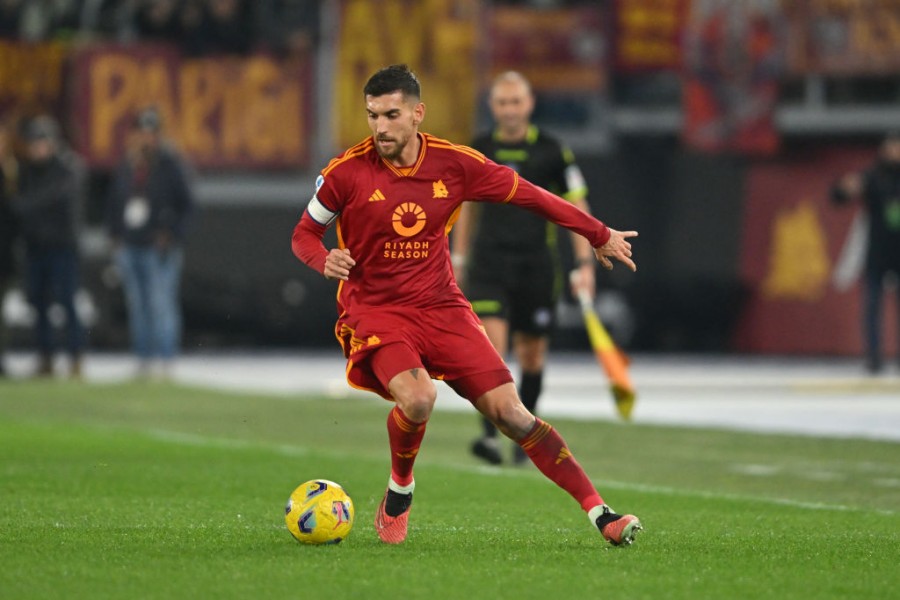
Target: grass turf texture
x=172, y=492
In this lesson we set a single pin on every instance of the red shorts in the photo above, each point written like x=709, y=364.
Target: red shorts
x=448, y=342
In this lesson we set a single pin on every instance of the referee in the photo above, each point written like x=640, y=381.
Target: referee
x=510, y=269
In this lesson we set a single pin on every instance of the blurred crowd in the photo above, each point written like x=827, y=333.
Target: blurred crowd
x=199, y=27
x=148, y=205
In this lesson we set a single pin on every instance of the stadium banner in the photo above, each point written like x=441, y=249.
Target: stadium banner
x=800, y=258
x=438, y=39
x=846, y=37
x=223, y=112
x=560, y=51
x=734, y=55
x=647, y=35
x=31, y=77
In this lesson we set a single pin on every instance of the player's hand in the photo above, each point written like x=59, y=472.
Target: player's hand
x=582, y=278
x=617, y=247
x=338, y=264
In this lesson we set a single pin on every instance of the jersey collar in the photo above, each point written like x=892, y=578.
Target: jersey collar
x=410, y=171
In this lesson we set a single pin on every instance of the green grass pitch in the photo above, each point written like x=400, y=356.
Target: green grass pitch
x=162, y=491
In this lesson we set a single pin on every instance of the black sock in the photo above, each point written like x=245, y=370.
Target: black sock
x=396, y=503
x=490, y=430
x=530, y=389
x=605, y=519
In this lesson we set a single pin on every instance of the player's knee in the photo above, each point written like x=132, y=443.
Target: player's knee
x=417, y=402
x=512, y=418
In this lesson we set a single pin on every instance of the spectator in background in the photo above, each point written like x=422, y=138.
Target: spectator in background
x=47, y=205
x=289, y=27
x=226, y=28
x=191, y=21
x=879, y=190
x=8, y=229
x=158, y=20
x=150, y=201
x=11, y=18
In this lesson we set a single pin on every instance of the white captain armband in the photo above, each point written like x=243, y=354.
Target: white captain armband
x=319, y=213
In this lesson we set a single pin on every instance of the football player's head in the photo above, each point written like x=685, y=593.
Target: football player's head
x=394, y=108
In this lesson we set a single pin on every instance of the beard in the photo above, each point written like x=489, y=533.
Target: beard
x=391, y=152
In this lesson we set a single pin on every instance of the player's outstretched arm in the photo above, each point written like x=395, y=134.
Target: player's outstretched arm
x=617, y=247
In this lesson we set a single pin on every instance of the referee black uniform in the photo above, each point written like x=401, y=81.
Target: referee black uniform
x=513, y=270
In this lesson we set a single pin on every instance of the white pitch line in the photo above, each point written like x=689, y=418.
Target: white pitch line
x=189, y=439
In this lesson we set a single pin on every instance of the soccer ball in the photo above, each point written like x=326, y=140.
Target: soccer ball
x=319, y=512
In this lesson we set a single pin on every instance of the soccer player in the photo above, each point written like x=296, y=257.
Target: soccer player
x=507, y=259
x=403, y=320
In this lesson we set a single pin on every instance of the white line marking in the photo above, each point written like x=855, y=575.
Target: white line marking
x=177, y=437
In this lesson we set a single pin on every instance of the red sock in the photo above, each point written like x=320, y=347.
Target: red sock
x=548, y=451
x=405, y=438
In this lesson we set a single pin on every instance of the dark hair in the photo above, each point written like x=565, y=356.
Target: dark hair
x=395, y=78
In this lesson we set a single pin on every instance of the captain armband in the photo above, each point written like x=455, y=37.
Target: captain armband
x=320, y=213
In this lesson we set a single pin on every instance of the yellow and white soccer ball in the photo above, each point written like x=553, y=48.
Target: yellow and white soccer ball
x=319, y=512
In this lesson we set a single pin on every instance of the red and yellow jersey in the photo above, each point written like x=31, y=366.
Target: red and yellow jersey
x=395, y=221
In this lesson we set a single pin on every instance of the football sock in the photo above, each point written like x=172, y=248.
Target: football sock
x=530, y=389
x=548, y=451
x=398, y=498
x=405, y=437
x=602, y=515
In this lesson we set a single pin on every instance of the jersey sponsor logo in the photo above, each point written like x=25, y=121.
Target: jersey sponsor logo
x=404, y=250
x=376, y=196
x=409, y=219
x=440, y=190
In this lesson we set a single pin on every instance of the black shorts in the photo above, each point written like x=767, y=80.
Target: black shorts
x=520, y=289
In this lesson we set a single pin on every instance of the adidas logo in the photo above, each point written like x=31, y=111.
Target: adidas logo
x=563, y=455
x=376, y=196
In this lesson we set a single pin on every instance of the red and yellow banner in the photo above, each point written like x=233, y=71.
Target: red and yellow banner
x=223, y=112
x=733, y=64
x=31, y=77
x=438, y=39
x=647, y=34
x=560, y=51
x=844, y=37
x=803, y=294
